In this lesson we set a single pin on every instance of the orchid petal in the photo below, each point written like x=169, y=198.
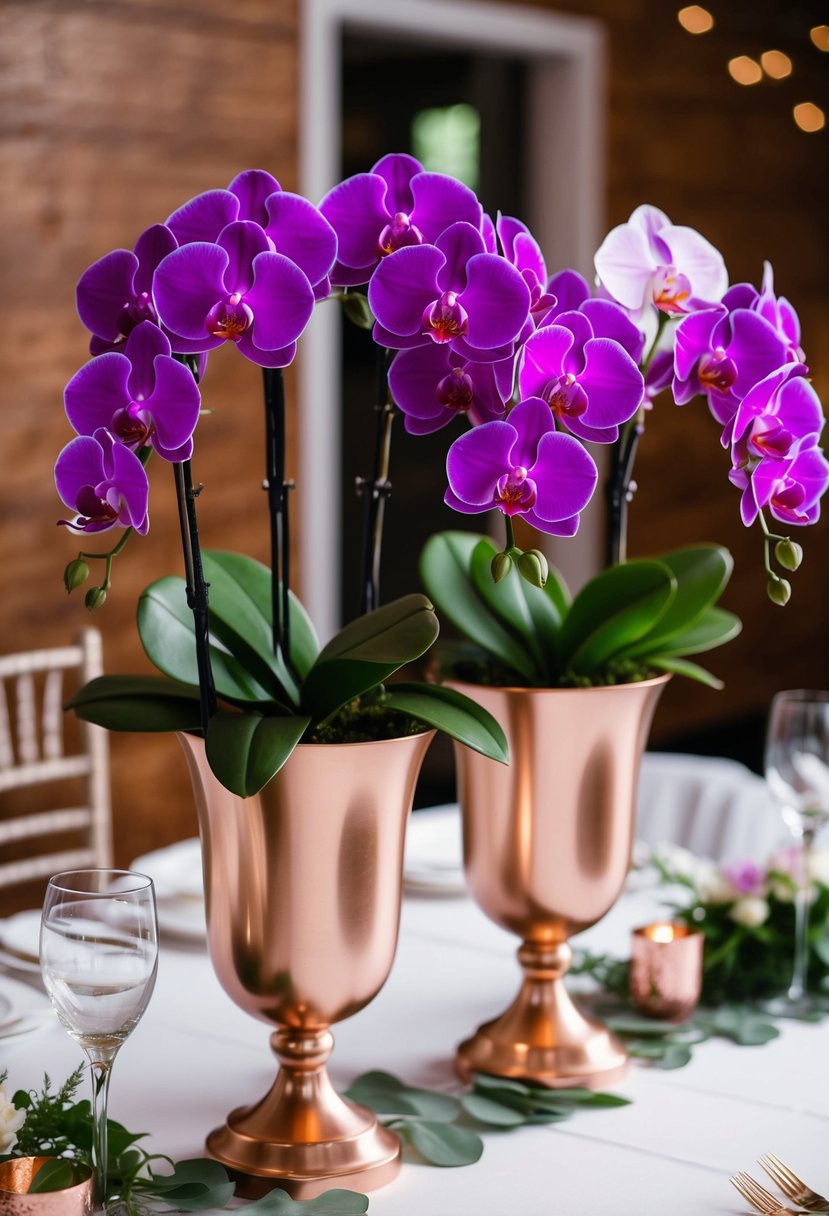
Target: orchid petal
x=543, y=359
x=403, y=286
x=95, y=392
x=497, y=300
x=282, y=301
x=477, y=459
x=532, y=420
x=252, y=188
x=174, y=405
x=613, y=383
x=242, y=241
x=298, y=230
x=697, y=258
x=187, y=284
x=624, y=263
x=103, y=290
x=458, y=243
x=356, y=210
x=152, y=245
x=565, y=476
x=144, y=343
x=202, y=218
x=439, y=201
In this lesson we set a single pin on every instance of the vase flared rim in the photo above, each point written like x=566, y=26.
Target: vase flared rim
x=429, y=730
x=653, y=682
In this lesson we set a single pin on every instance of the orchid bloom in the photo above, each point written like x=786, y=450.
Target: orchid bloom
x=522, y=466
x=294, y=225
x=650, y=261
x=522, y=251
x=395, y=206
x=236, y=290
x=141, y=397
x=776, y=310
x=452, y=292
x=791, y=489
x=590, y=384
x=104, y=482
x=776, y=415
x=115, y=293
x=432, y=385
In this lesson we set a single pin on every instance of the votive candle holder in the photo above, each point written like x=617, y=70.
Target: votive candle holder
x=666, y=970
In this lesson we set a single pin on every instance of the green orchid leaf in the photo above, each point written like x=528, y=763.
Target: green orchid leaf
x=441, y=1143
x=616, y=608
x=245, y=750
x=450, y=711
x=487, y=1110
x=701, y=574
x=137, y=703
x=445, y=571
x=240, y=598
x=337, y=1202
x=367, y=651
x=167, y=631
x=682, y=667
x=714, y=627
x=505, y=600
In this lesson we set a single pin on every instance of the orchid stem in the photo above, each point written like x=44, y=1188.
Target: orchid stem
x=376, y=490
x=510, y=534
x=278, y=489
x=186, y=495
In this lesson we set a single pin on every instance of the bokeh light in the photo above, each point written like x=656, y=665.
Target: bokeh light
x=745, y=70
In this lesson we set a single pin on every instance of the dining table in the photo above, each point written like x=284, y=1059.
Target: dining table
x=195, y=1055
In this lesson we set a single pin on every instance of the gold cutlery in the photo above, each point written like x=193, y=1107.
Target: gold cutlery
x=792, y=1186
x=760, y=1199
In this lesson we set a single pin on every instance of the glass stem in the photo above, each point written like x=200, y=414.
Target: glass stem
x=101, y=1071
x=797, y=988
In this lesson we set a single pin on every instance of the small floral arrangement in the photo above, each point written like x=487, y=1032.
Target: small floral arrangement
x=747, y=913
x=468, y=324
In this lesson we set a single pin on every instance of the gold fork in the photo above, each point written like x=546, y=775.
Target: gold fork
x=760, y=1199
x=792, y=1186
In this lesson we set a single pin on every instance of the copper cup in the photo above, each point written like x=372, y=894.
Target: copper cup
x=666, y=970
x=16, y=1178
x=547, y=845
x=303, y=885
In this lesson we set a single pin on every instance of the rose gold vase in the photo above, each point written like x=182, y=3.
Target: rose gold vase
x=303, y=886
x=547, y=844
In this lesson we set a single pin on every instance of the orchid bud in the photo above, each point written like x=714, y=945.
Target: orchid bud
x=788, y=553
x=75, y=574
x=95, y=598
x=778, y=590
x=356, y=308
x=500, y=566
x=533, y=568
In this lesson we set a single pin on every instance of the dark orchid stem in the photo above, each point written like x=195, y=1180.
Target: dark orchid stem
x=620, y=489
x=376, y=490
x=186, y=495
x=278, y=490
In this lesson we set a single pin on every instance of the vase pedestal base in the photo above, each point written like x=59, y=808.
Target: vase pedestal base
x=543, y=1038
x=302, y=1136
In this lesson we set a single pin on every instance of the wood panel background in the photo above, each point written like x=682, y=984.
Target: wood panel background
x=114, y=113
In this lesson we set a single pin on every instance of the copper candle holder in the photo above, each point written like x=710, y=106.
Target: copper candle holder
x=666, y=970
x=16, y=1177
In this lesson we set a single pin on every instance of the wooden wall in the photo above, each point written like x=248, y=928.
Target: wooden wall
x=114, y=113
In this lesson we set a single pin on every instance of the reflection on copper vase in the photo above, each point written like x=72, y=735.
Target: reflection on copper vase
x=303, y=886
x=547, y=844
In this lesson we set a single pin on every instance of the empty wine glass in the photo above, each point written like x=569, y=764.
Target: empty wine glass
x=797, y=772
x=98, y=955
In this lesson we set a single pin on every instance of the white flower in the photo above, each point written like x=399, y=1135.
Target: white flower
x=714, y=888
x=11, y=1121
x=819, y=866
x=750, y=911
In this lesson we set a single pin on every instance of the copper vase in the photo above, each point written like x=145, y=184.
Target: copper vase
x=303, y=887
x=547, y=844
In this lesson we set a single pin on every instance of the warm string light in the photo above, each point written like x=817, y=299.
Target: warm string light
x=774, y=64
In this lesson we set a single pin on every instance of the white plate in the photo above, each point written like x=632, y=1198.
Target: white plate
x=20, y=940
x=182, y=918
x=433, y=857
x=175, y=869
x=23, y=1010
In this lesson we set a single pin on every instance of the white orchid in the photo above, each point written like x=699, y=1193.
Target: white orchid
x=11, y=1121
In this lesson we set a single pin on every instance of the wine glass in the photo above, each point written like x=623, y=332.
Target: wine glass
x=98, y=956
x=797, y=772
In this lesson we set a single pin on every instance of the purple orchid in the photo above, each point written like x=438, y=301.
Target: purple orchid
x=395, y=206
x=522, y=251
x=115, y=293
x=776, y=310
x=452, y=292
x=293, y=224
x=522, y=466
x=432, y=385
x=776, y=415
x=141, y=397
x=745, y=877
x=650, y=261
x=791, y=489
x=723, y=354
x=235, y=290
x=590, y=384
x=104, y=482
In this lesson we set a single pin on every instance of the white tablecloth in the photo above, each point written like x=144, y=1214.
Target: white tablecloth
x=195, y=1056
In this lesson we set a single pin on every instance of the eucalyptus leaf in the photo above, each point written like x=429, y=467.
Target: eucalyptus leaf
x=336, y=1202
x=675, y=1055
x=245, y=750
x=386, y=1094
x=448, y=710
x=487, y=1110
x=441, y=1144
x=445, y=571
